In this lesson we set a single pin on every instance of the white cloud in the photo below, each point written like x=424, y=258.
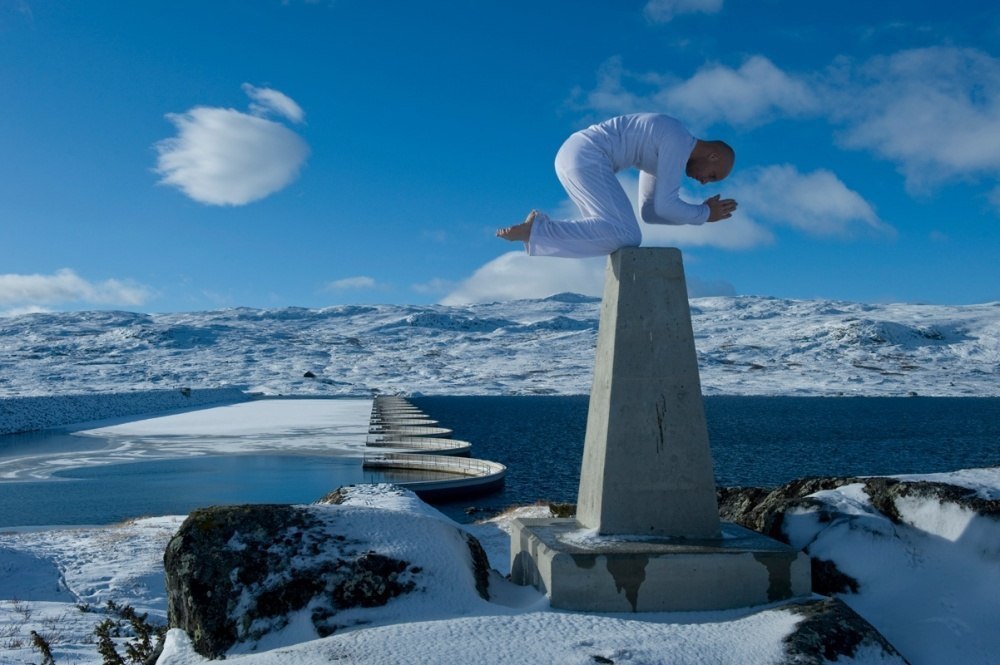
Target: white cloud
x=662, y=11
x=750, y=95
x=65, y=286
x=933, y=111
x=267, y=100
x=352, y=284
x=516, y=276
x=818, y=203
x=227, y=157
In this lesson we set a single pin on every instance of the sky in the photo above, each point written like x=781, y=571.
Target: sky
x=187, y=156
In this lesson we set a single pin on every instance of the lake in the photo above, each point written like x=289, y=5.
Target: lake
x=762, y=441
x=756, y=441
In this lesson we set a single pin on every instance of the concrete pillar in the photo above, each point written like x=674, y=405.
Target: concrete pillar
x=647, y=467
x=646, y=485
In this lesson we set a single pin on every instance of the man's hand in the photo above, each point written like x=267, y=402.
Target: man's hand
x=719, y=209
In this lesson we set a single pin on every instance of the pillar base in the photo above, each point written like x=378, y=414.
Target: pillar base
x=580, y=570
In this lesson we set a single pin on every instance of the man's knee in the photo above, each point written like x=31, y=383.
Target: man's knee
x=631, y=236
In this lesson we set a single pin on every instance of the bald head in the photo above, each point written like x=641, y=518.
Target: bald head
x=710, y=161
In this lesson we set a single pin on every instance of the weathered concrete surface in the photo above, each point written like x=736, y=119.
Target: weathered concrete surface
x=647, y=468
x=581, y=570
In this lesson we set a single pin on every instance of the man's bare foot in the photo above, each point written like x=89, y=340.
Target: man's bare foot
x=520, y=231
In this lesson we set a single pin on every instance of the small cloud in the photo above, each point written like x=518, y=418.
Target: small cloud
x=265, y=101
x=66, y=287
x=752, y=94
x=226, y=157
x=517, y=276
x=817, y=203
x=938, y=236
x=351, y=284
x=663, y=11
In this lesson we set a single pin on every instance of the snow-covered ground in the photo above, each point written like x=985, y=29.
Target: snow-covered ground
x=928, y=584
x=746, y=345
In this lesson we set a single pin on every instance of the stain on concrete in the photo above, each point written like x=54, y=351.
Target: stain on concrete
x=585, y=561
x=629, y=573
x=779, y=575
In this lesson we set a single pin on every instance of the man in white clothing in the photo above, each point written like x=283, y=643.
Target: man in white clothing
x=586, y=164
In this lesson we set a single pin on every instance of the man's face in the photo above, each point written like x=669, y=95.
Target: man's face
x=711, y=169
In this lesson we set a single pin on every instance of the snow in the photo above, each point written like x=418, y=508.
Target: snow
x=310, y=426
x=747, y=345
x=932, y=597
x=927, y=583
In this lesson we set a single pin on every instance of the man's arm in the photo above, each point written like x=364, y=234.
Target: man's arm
x=660, y=203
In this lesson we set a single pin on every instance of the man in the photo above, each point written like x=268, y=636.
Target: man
x=586, y=164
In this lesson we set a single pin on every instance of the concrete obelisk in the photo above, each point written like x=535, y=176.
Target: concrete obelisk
x=647, y=536
x=647, y=468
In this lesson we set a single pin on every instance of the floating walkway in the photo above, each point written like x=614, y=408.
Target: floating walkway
x=438, y=476
x=433, y=465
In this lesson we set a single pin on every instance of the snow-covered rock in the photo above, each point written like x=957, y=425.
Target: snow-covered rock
x=258, y=576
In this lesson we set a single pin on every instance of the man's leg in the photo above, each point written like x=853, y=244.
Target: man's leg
x=608, y=222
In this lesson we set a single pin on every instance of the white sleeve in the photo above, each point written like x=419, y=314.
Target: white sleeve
x=659, y=196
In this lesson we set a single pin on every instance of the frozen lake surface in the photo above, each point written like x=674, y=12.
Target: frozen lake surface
x=263, y=451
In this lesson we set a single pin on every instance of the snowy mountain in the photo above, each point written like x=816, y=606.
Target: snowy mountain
x=746, y=345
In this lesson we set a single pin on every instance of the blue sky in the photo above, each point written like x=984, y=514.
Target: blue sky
x=184, y=156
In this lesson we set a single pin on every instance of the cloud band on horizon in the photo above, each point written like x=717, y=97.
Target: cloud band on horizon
x=33, y=292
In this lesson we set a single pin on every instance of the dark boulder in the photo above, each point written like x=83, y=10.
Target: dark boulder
x=236, y=573
x=830, y=629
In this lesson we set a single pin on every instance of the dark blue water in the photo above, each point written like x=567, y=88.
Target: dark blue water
x=759, y=441
x=114, y=492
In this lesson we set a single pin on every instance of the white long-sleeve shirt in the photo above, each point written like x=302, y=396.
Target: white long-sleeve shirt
x=658, y=145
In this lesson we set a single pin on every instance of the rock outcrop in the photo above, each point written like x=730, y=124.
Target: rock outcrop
x=830, y=629
x=235, y=574
x=765, y=510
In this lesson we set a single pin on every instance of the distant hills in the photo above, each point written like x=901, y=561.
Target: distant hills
x=746, y=345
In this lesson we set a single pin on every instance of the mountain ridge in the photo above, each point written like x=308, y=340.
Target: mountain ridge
x=747, y=345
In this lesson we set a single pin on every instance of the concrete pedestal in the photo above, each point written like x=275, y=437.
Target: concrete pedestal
x=580, y=570
x=647, y=536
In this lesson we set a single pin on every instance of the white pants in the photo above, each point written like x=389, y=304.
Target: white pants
x=608, y=223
